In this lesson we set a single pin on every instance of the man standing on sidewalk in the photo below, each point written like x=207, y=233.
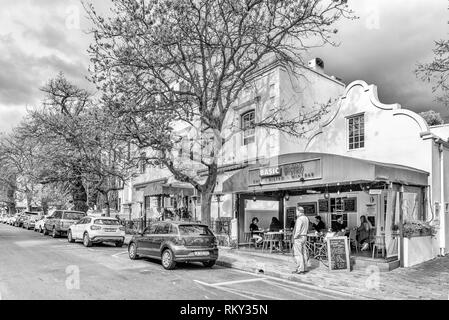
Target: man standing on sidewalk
x=299, y=241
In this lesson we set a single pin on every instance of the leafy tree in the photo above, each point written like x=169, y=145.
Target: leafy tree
x=432, y=118
x=167, y=64
x=71, y=146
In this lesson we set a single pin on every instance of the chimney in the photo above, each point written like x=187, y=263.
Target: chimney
x=317, y=64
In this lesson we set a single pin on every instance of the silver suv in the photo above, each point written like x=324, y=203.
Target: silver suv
x=58, y=224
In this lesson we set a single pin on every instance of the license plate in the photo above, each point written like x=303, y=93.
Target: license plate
x=201, y=253
x=109, y=230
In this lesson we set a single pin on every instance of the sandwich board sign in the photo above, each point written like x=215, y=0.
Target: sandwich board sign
x=338, y=254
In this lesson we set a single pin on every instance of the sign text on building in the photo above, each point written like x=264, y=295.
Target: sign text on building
x=303, y=170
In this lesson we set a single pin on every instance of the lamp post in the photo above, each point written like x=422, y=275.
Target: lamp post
x=218, y=197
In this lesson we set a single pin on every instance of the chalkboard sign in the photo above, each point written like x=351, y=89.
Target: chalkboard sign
x=338, y=254
x=350, y=204
x=291, y=214
x=309, y=208
x=323, y=205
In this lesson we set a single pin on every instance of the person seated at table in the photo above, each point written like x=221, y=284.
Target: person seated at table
x=254, y=227
x=319, y=225
x=364, y=232
x=275, y=225
x=340, y=226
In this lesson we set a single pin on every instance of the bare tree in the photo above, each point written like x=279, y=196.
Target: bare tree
x=169, y=64
x=437, y=71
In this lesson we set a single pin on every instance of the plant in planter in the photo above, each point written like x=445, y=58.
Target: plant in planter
x=416, y=228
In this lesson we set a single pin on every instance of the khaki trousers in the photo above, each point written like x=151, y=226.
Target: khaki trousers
x=300, y=254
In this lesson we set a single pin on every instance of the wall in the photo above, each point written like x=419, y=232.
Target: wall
x=392, y=134
x=418, y=250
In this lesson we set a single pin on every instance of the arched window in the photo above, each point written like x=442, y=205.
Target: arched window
x=248, y=122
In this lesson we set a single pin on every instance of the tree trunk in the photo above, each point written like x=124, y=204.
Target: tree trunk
x=206, y=202
x=106, y=202
x=44, y=203
x=79, y=196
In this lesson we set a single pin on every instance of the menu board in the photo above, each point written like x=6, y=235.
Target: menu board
x=309, y=208
x=338, y=254
x=323, y=205
x=350, y=204
x=291, y=214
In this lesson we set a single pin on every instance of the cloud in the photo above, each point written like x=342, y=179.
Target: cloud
x=384, y=46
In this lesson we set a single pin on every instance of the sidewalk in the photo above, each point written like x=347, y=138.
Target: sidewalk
x=429, y=280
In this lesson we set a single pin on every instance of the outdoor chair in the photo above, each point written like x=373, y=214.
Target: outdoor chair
x=249, y=240
x=288, y=239
x=353, y=240
x=379, y=244
x=271, y=240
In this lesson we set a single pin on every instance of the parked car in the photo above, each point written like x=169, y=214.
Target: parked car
x=39, y=225
x=173, y=242
x=30, y=219
x=97, y=230
x=58, y=224
x=12, y=219
x=19, y=220
x=4, y=217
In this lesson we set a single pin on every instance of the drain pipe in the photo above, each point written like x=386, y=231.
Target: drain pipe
x=442, y=204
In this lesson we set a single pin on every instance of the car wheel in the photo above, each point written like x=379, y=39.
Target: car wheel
x=132, y=251
x=86, y=240
x=209, y=264
x=119, y=244
x=168, y=261
x=69, y=237
x=54, y=234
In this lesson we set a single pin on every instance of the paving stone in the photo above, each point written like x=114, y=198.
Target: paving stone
x=429, y=280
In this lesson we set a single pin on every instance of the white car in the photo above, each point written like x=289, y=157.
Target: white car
x=4, y=217
x=39, y=226
x=97, y=230
x=12, y=219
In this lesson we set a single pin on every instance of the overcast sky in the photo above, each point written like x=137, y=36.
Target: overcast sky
x=39, y=38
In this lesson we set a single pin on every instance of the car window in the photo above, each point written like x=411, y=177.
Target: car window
x=163, y=228
x=57, y=215
x=150, y=230
x=107, y=222
x=72, y=215
x=194, y=230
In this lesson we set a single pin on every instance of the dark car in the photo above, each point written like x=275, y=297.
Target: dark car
x=59, y=222
x=173, y=242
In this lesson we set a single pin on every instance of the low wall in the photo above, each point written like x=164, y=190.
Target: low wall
x=418, y=250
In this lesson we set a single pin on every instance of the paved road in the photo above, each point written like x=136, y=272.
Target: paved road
x=33, y=266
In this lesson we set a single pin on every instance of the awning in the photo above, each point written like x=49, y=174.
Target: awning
x=302, y=170
x=167, y=186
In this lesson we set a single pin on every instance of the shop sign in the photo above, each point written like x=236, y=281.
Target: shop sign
x=270, y=172
x=291, y=172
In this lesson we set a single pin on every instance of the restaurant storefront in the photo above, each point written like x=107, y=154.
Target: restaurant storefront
x=329, y=185
x=165, y=199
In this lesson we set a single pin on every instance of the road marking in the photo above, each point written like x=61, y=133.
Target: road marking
x=303, y=284
x=118, y=254
x=224, y=289
x=236, y=282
